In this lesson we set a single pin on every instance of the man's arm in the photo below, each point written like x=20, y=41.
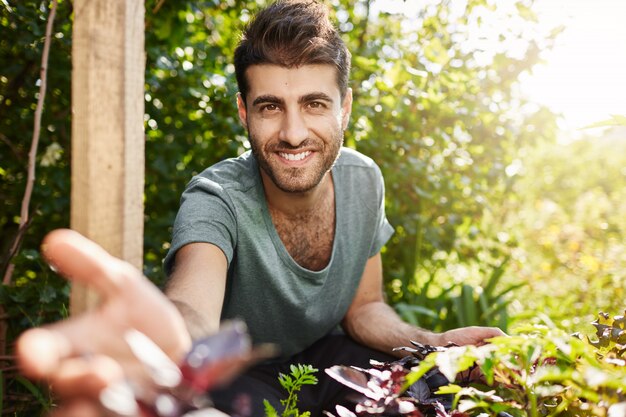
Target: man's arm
x=373, y=323
x=197, y=287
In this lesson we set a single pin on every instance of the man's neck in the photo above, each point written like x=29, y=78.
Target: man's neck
x=296, y=204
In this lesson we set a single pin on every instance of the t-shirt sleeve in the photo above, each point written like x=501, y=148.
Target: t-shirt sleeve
x=207, y=215
x=384, y=230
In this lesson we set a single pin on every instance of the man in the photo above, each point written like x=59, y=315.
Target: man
x=287, y=236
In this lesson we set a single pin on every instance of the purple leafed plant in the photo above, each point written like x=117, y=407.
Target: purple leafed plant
x=383, y=390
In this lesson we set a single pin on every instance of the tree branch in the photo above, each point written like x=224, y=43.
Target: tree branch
x=11, y=146
x=158, y=6
x=30, y=182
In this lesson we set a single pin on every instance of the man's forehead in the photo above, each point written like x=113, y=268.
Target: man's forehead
x=275, y=80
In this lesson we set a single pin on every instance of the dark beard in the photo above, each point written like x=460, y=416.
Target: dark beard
x=292, y=184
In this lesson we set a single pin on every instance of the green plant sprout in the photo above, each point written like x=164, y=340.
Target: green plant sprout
x=300, y=375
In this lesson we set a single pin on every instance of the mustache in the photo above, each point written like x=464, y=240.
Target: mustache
x=286, y=146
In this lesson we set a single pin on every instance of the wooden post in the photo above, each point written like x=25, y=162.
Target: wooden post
x=108, y=63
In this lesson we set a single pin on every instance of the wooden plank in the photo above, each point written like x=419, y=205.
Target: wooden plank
x=108, y=63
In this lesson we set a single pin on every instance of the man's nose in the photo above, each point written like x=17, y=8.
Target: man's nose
x=294, y=129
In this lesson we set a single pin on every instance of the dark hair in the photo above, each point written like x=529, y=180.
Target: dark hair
x=291, y=33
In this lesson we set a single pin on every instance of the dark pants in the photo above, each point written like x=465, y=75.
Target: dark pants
x=244, y=397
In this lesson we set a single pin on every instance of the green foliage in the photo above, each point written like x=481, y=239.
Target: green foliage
x=536, y=372
x=34, y=301
x=14, y=401
x=23, y=26
x=611, y=336
x=36, y=295
x=43, y=399
x=300, y=375
x=567, y=216
x=269, y=410
x=460, y=304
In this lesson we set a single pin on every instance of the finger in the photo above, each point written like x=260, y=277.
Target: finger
x=77, y=408
x=207, y=412
x=488, y=333
x=42, y=351
x=84, y=261
x=47, y=354
x=85, y=376
x=39, y=351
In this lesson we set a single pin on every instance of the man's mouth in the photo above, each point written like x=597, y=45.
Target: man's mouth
x=294, y=156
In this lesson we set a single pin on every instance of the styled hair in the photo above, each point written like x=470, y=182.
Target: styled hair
x=292, y=33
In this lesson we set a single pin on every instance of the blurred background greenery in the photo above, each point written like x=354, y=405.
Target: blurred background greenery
x=499, y=218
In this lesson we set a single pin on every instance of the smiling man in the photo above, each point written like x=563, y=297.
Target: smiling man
x=288, y=236
x=295, y=122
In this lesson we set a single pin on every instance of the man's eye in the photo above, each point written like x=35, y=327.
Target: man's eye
x=317, y=105
x=269, y=107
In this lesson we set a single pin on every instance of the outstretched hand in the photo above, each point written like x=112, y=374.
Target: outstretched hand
x=82, y=355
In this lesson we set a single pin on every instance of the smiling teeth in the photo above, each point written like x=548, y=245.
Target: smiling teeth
x=294, y=157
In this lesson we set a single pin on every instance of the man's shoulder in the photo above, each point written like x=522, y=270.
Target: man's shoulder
x=240, y=172
x=352, y=158
x=354, y=163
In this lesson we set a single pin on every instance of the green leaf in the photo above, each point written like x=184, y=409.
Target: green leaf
x=454, y=360
x=299, y=375
x=449, y=389
x=496, y=274
x=47, y=294
x=270, y=411
x=35, y=391
x=419, y=371
x=469, y=304
x=285, y=381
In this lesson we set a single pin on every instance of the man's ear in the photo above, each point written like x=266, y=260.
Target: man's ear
x=346, y=109
x=242, y=111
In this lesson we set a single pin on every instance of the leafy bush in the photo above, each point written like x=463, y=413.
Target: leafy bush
x=460, y=304
x=567, y=217
x=539, y=371
x=542, y=372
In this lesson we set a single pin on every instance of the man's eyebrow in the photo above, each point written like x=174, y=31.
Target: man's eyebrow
x=315, y=96
x=268, y=98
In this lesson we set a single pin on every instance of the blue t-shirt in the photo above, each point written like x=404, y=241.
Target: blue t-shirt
x=280, y=301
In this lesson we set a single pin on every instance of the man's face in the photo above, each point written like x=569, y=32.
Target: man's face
x=295, y=119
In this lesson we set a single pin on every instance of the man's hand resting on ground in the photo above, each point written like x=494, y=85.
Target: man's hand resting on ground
x=472, y=335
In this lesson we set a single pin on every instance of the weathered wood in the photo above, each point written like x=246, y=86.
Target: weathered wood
x=108, y=62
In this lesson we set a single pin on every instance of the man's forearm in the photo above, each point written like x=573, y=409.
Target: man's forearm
x=196, y=325
x=378, y=326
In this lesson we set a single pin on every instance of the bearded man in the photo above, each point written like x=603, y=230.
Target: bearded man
x=288, y=236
